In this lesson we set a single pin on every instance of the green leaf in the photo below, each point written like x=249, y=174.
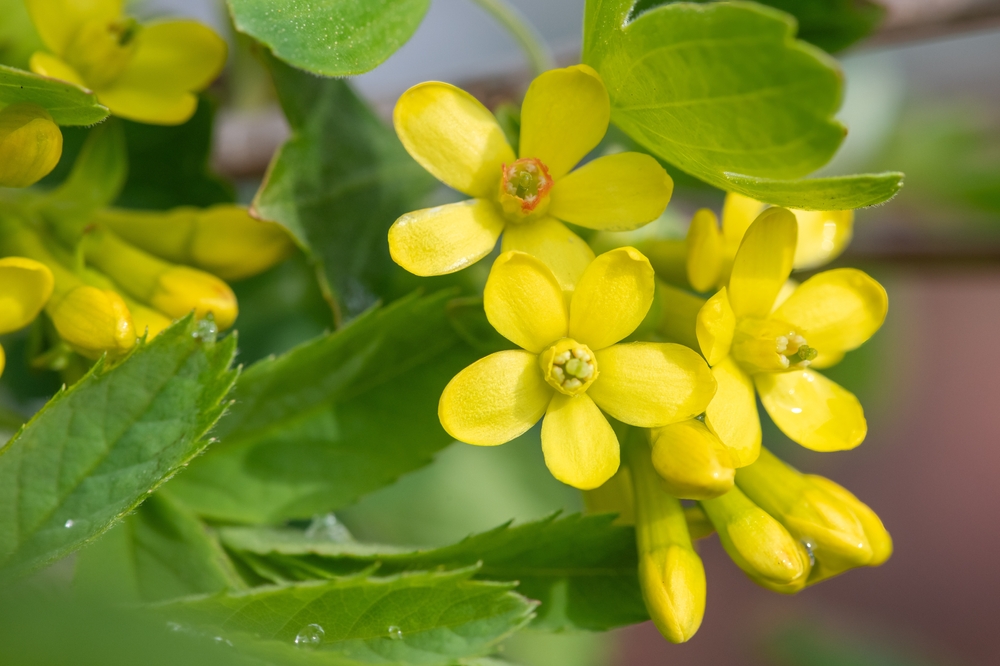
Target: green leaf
x=339, y=38
x=334, y=418
x=159, y=552
x=582, y=568
x=416, y=618
x=831, y=25
x=338, y=184
x=68, y=104
x=98, y=448
x=724, y=92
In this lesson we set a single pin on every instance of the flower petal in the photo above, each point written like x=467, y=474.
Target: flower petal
x=445, y=239
x=715, y=327
x=524, y=302
x=836, y=310
x=651, y=384
x=823, y=235
x=54, y=67
x=732, y=414
x=564, y=116
x=580, y=447
x=25, y=287
x=613, y=193
x=175, y=56
x=612, y=298
x=812, y=410
x=453, y=136
x=738, y=213
x=149, y=105
x=58, y=20
x=495, y=399
x=550, y=240
x=704, y=251
x=763, y=263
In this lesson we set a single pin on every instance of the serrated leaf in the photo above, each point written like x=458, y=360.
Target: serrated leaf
x=161, y=551
x=339, y=38
x=831, y=25
x=582, y=568
x=68, y=104
x=94, y=452
x=415, y=618
x=724, y=92
x=338, y=184
x=334, y=418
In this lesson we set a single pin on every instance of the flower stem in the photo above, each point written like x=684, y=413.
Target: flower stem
x=523, y=32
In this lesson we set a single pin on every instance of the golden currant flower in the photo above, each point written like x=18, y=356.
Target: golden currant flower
x=147, y=73
x=564, y=116
x=710, y=251
x=570, y=366
x=25, y=288
x=30, y=144
x=757, y=335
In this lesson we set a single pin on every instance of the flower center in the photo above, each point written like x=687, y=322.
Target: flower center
x=524, y=188
x=101, y=50
x=569, y=367
x=794, y=350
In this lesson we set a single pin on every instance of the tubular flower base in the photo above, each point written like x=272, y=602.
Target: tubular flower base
x=147, y=73
x=756, y=334
x=570, y=366
x=527, y=198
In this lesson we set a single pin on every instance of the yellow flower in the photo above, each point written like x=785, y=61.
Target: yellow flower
x=691, y=461
x=30, y=144
x=569, y=366
x=757, y=336
x=146, y=73
x=25, y=287
x=564, y=116
x=822, y=236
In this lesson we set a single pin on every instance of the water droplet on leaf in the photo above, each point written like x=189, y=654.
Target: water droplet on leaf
x=68, y=523
x=309, y=635
x=395, y=633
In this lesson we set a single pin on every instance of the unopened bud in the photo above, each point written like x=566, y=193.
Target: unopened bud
x=705, y=257
x=180, y=289
x=671, y=574
x=30, y=144
x=25, y=287
x=757, y=543
x=808, y=511
x=878, y=536
x=691, y=461
x=93, y=321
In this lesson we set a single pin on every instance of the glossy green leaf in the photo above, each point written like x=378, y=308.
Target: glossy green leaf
x=98, y=448
x=68, y=104
x=831, y=25
x=334, y=418
x=582, y=568
x=338, y=38
x=161, y=551
x=724, y=92
x=832, y=193
x=415, y=618
x=338, y=185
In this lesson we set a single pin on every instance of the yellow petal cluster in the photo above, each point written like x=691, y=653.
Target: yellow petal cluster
x=147, y=73
x=526, y=196
x=572, y=365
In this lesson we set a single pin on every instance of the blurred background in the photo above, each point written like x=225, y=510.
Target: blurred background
x=923, y=97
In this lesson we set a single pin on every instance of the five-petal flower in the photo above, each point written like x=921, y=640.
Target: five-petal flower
x=564, y=116
x=570, y=366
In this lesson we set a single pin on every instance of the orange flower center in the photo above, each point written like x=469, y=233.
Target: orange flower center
x=524, y=188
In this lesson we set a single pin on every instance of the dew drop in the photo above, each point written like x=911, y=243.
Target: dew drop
x=69, y=523
x=205, y=329
x=809, y=550
x=328, y=528
x=175, y=627
x=309, y=635
x=395, y=633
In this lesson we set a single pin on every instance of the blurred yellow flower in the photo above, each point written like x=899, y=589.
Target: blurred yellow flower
x=757, y=334
x=147, y=73
x=569, y=367
x=30, y=144
x=25, y=287
x=564, y=116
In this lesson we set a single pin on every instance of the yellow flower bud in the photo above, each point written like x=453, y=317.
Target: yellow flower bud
x=93, y=321
x=224, y=239
x=30, y=144
x=758, y=543
x=819, y=518
x=25, y=287
x=878, y=536
x=691, y=461
x=704, y=249
x=671, y=574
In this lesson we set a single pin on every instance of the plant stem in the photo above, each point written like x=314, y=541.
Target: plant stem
x=523, y=32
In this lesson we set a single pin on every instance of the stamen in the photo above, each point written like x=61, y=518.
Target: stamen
x=524, y=186
x=794, y=350
x=569, y=366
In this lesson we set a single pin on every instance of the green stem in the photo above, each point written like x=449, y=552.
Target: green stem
x=523, y=32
